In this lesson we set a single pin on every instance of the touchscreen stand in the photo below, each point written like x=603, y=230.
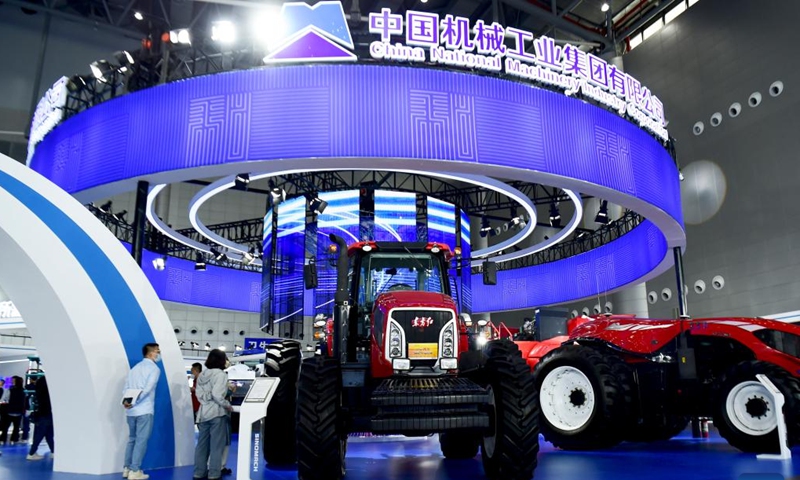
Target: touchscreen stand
x=250, y=460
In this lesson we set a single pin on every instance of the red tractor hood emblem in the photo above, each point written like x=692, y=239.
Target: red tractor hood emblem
x=422, y=322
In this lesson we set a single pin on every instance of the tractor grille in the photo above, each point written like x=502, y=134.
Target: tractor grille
x=429, y=334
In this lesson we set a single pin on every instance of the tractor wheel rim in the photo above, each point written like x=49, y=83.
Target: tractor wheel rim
x=567, y=398
x=750, y=409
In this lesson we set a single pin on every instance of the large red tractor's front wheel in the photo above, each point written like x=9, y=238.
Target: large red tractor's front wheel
x=509, y=451
x=282, y=361
x=321, y=442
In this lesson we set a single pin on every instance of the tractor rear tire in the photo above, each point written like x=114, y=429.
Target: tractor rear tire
x=510, y=451
x=585, y=397
x=282, y=361
x=459, y=445
x=321, y=442
x=744, y=410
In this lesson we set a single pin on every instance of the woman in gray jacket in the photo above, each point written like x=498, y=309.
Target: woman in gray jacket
x=212, y=385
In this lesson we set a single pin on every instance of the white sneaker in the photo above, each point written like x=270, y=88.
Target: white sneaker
x=125, y=472
x=35, y=456
x=137, y=475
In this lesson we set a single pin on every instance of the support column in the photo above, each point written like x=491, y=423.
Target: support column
x=632, y=301
x=139, y=220
x=682, y=308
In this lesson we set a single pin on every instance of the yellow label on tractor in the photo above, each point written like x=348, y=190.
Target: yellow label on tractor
x=423, y=350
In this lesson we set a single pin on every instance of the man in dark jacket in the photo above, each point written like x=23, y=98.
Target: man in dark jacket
x=43, y=419
x=14, y=410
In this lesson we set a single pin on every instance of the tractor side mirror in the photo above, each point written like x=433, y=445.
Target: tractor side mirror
x=489, y=273
x=310, y=274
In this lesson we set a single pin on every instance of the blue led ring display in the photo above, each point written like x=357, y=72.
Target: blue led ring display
x=380, y=117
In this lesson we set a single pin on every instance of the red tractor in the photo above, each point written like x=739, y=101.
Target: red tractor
x=397, y=360
x=623, y=378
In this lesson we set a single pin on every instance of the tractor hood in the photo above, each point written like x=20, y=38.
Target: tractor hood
x=413, y=298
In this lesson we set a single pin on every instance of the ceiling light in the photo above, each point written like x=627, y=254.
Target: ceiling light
x=223, y=32
x=159, y=263
x=555, y=216
x=237, y=347
x=138, y=16
x=208, y=346
x=106, y=207
x=222, y=347
x=100, y=69
x=602, y=214
x=604, y=8
x=269, y=26
x=249, y=257
x=200, y=262
x=120, y=215
x=317, y=205
x=124, y=58
x=195, y=345
x=180, y=36
x=181, y=343
x=278, y=194
x=242, y=180
x=486, y=228
x=219, y=256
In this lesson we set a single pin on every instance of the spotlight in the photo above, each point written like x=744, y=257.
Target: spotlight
x=237, y=347
x=120, y=215
x=100, y=69
x=218, y=255
x=106, y=207
x=486, y=228
x=195, y=345
x=602, y=214
x=223, y=32
x=180, y=36
x=242, y=180
x=200, y=262
x=76, y=83
x=181, y=343
x=278, y=194
x=124, y=58
x=138, y=16
x=159, y=263
x=208, y=346
x=222, y=347
x=317, y=205
x=250, y=256
x=555, y=216
x=680, y=176
x=604, y=8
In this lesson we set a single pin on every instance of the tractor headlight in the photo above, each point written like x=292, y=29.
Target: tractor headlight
x=448, y=344
x=395, y=339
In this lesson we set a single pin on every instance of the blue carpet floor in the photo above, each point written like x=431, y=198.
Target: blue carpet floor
x=420, y=459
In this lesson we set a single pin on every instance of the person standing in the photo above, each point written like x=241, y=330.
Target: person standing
x=212, y=386
x=197, y=368
x=15, y=408
x=5, y=392
x=42, y=420
x=139, y=410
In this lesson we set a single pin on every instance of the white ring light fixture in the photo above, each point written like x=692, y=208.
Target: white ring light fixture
x=225, y=183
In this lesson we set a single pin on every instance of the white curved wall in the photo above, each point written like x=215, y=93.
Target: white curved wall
x=89, y=308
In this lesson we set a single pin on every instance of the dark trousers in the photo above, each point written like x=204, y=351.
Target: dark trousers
x=43, y=430
x=26, y=426
x=5, y=422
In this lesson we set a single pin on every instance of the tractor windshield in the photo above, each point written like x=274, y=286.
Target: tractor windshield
x=391, y=272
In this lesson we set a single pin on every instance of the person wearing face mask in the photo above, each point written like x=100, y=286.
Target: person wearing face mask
x=142, y=379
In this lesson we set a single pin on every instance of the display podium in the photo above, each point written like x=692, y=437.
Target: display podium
x=250, y=462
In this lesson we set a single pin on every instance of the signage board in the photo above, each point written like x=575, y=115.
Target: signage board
x=320, y=33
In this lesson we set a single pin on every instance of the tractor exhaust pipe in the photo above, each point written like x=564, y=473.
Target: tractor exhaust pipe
x=341, y=310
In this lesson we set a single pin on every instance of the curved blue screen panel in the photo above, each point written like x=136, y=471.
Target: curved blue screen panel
x=373, y=116
x=363, y=111
x=603, y=269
